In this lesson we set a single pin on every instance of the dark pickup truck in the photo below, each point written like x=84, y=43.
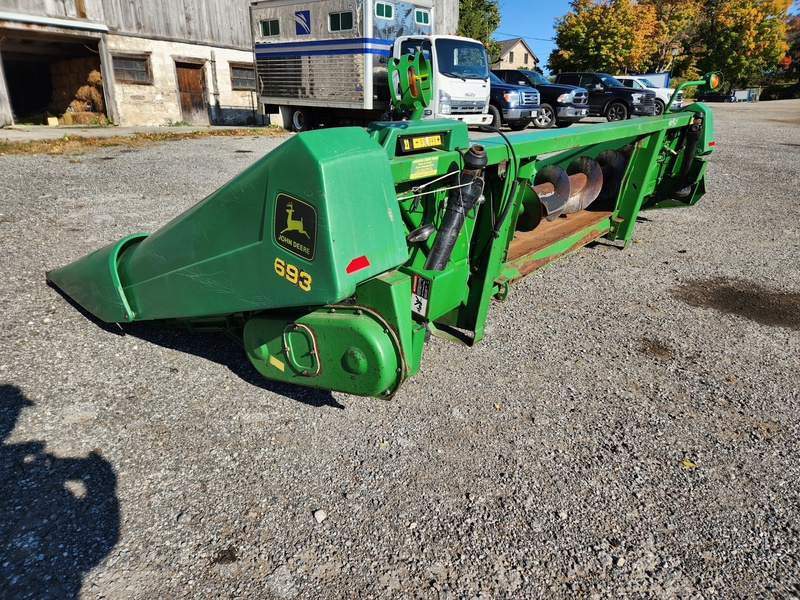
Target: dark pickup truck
x=512, y=105
x=609, y=98
x=559, y=105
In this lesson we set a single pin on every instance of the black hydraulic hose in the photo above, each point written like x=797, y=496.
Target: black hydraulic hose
x=693, y=133
x=495, y=232
x=461, y=200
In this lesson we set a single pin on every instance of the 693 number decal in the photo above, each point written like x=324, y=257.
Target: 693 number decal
x=293, y=275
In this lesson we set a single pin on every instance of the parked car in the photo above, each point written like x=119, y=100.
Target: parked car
x=609, y=98
x=715, y=97
x=559, y=105
x=512, y=105
x=663, y=95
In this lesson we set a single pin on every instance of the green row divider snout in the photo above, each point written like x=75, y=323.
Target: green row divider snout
x=94, y=282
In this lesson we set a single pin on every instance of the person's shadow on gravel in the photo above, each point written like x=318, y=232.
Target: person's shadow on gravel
x=59, y=517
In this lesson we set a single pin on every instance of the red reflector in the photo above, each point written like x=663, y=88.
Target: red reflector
x=362, y=262
x=712, y=143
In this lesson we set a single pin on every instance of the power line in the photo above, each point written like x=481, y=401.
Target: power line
x=524, y=37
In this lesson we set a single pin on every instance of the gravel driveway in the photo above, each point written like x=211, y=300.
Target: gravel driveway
x=627, y=428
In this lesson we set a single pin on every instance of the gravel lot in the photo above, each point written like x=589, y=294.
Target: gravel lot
x=628, y=427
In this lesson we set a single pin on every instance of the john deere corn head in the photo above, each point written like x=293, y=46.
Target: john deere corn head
x=331, y=258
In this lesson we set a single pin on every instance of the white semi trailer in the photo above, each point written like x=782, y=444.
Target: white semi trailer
x=325, y=61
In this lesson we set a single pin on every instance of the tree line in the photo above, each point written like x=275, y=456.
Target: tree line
x=750, y=41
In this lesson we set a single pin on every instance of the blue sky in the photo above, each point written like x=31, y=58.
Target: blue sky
x=532, y=21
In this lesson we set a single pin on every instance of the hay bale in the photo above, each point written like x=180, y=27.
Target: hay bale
x=90, y=95
x=77, y=86
x=95, y=79
x=88, y=118
x=58, y=68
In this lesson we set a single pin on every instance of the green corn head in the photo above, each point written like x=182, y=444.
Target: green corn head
x=331, y=258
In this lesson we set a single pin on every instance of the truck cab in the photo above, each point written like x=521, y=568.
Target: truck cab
x=460, y=74
x=609, y=98
x=663, y=95
x=512, y=105
x=560, y=105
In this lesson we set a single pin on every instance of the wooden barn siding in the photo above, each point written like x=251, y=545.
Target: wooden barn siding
x=54, y=8
x=224, y=23
x=205, y=21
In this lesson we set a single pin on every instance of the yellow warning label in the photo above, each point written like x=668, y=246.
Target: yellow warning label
x=276, y=363
x=424, y=167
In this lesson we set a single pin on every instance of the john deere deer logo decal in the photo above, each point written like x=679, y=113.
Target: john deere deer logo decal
x=295, y=226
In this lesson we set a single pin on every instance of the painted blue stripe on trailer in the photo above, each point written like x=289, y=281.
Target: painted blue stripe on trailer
x=344, y=41
x=322, y=53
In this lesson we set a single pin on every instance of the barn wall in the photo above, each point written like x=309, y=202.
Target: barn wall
x=445, y=16
x=221, y=24
x=91, y=10
x=159, y=103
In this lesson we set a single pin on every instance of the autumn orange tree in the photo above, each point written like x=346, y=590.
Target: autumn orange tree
x=792, y=60
x=675, y=29
x=604, y=35
x=741, y=38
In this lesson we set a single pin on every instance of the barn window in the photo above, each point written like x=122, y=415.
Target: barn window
x=243, y=77
x=422, y=17
x=384, y=10
x=270, y=28
x=341, y=21
x=133, y=69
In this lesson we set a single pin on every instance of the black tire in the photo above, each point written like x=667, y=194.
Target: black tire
x=616, y=111
x=660, y=106
x=519, y=126
x=302, y=119
x=562, y=124
x=546, y=118
x=497, y=116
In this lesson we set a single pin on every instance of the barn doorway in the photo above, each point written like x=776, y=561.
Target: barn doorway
x=49, y=75
x=192, y=92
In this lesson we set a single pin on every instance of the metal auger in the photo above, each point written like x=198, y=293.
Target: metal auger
x=333, y=279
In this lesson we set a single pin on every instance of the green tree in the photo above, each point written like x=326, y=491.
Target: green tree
x=478, y=19
x=742, y=38
x=604, y=35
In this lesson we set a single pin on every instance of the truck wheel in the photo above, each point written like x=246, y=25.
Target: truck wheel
x=660, y=106
x=497, y=118
x=546, y=118
x=302, y=119
x=617, y=112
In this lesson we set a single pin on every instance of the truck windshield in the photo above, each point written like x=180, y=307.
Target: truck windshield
x=536, y=78
x=461, y=59
x=609, y=80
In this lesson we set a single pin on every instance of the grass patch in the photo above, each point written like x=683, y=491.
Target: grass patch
x=72, y=144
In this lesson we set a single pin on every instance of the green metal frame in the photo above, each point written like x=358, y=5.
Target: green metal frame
x=305, y=257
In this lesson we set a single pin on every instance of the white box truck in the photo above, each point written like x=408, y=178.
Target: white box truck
x=325, y=61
